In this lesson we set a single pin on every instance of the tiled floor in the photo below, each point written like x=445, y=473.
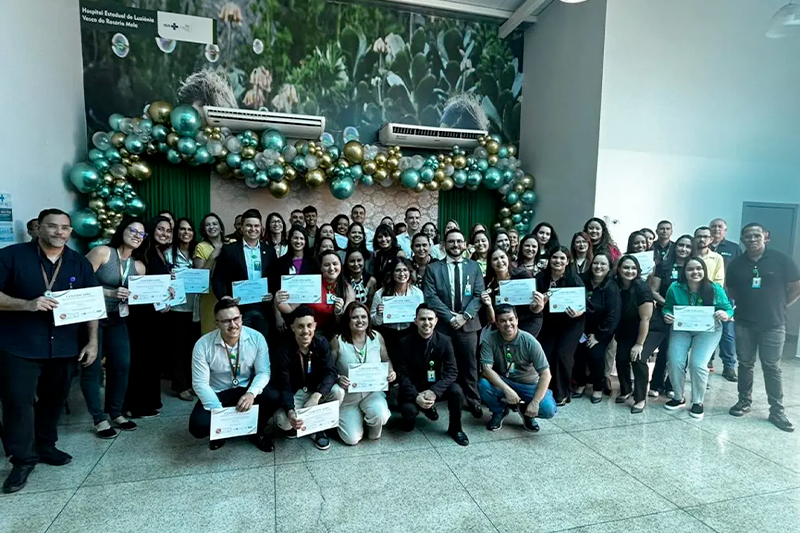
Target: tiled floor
x=591, y=468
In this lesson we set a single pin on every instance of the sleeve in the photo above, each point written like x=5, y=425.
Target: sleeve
x=6, y=267
x=262, y=367
x=432, y=297
x=201, y=377
x=721, y=302
x=613, y=310
x=477, y=288
x=377, y=300
x=220, y=278
x=538, y=358
x=449, y=371
x=203, y=251
x=669, y=301
x=643, y=294
x=790, y=270
x=283, y=376
x=487, y=350
x=329, y=371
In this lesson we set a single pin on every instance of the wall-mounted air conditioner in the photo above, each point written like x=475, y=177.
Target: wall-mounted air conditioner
x=408, y=135
x=292, y=126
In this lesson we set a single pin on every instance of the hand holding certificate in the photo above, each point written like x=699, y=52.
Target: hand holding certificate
x=567, y=297
x=400, y=309
x=250, y=291
x=516, y=291
x=178, y=296
x=149, y=289
x=195, y=280
x=694, y=318
x=303, y=288
x=79, y=305
x=368, y=377
x=228, y=422
x=318, y=418
x=646, y=262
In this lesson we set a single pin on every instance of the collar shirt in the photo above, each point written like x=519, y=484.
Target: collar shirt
x=252, y=257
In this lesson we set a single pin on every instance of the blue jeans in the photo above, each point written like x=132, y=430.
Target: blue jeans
x=727, y=345
x=116, y=348
x=496, y=399
x=697, y=347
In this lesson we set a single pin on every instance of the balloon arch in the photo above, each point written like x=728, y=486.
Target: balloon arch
x=121, y=156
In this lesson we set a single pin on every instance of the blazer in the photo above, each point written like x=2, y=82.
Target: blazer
x=315, y=372
x=602, y=309
x=231, y=266
x=412, y=362
x=284, y=265
x=436, y=287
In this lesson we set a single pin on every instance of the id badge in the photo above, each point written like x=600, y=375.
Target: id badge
x=674, y=275
x=468, y=288
x=124, y=309
x=431, y=376
x=257, y=266
x=330, y=298
x=584, y=338
x=756, y=282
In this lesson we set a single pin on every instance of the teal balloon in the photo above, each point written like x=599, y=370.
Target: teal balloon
x=186, y=120
x=426, y=174
x=496, y=137
x=410, y=178
x=512, y=198
x=335, y=152
x=101, y=164
x=248, y=167
x=233, y=160
x=186, y=146
x=134, y=144
x=135, y=207
x=160, y=132
x=113, y=155
x=483, y=164
x=261, y=179
x=460, y=178
x=86, y=224
x=85, y=177
x=202, y=156
x=522, y=227
x=299, y=162
x=343, y=188
x=95, y=154
x=368, y=180
x=116, y=204
x=114, y=121
x=502, y=152
x=173, y=156
x=517, y=218
x=528, y=197
x=276, y=172
x=356, y=172
x=493, y=178
x=163, y=148
x=508, y=176
x=104, y=192
x=146, y=126
x=474, y=178
x=273, y=140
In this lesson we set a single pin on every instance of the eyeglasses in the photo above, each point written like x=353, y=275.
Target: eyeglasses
x=136, y=233
x=56, y=227
x=230, y=321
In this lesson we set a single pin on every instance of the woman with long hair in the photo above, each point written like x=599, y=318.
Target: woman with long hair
x=650, y=235
x=184, y=319
x=582, y=253
x=399, y=282
x=298, y=260
x=561, y=332
x=502, y=240
x=324, y=244
x=212, y=233
x=275, y=234
x=356, y=240
x=513, y=238
x=547, y=237
x=602, y=317
x=421, y=258
x=601, y=240
x=500, y=269
x=696, y=348
x=430, y=230
x=357, y=344
x=113, y=265
x=637, y=243
x=528, y=253
x=480, y=250
x=355, y=272
x=472, y=231
x=340, y=224
x=386, y=251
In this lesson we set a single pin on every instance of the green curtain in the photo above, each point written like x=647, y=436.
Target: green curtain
x=468, y=208
x=184, y=190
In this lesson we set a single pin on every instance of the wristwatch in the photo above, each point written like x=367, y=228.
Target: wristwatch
x=467, y=316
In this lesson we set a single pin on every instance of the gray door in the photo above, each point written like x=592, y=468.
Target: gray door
x=780, y=220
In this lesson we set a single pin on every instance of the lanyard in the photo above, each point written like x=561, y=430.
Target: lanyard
x=361, y=353
x=234, y=355
x=48, y=283
x=123, y=274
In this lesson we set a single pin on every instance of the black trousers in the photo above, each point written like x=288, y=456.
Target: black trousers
x=184, y=333
x=559, y=342
x=591, y=359
x=465, y=346
x=454, y=396
x=641, y=372
x=200, y=419
x=660, y=380
x=33, y=392
x=147, y=330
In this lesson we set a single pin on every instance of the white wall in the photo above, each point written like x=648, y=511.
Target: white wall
x=44, y=129
x=563, y=68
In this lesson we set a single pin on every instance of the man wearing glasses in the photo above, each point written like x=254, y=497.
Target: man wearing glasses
x=714, y=262
x=230, y=368
x=35, y=355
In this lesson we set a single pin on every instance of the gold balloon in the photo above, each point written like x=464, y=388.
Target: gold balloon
x=152, y=148
x=281, y=160
x=216, y=129
x=493, y=159
x=482, y=140
x=459, y=161
x=381, y=174
x=519, y=188
x=419, y=187
x=290, y=173
x=496, y=226
x=507, y=222
x=118, y=139
x=96, y=204
x=159, y=111
x=326, y=161
x=279, y=189
x=447, y=184
x=135, y=158
x=432, y=186
x=369, y=167
x=249, y=152
x=108, y=178
x=380, y=160
x=315, y=178
x=102, y=218
x=440, y=157
x=301, y=145
x=172, y=139
x=448, y=160
x=238, y=174
x=344, y=163
x=109, y=232
x=396, y=173
x=517, y=208
x=354, y=151
x=438, y=176
x=120, y=183
x=528, y=182
x=215, y=136
x=127, y=161
x=208, y=130
x=223, y=169
x=505, y=212
x=140, y=171
x=492, y=146
x=512, y=150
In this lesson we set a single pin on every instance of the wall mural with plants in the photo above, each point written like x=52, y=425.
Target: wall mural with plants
x=358, y=65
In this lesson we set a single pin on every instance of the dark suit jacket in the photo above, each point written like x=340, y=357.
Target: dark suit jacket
x=284, y=264
x=412, y=362
x=231, y=266
x=436, y=287
x=291, y=369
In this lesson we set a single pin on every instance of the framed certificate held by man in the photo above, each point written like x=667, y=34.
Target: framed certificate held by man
x=79, y=305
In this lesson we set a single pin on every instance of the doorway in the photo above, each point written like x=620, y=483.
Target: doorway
x=780, y=220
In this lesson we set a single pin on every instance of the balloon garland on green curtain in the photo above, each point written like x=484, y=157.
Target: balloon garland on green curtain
x=267, y=160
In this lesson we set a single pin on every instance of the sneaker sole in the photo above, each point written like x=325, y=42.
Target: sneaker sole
x=497, y=428
x=696, y=415
x=674, y=408
x=323, y=448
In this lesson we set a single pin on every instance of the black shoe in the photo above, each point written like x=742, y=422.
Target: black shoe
x=740, y=409
x=216, y=444
x=54, y=457
x=476, y=410
x=496, y=422
x=696, y=411
x=781, y=422
x=263, y=442
x=18, y=478
x=291, y=434
x=460, y=437
x=105, y=431
x=433, y=414
x=730, y=375
x=674, y=405
x=321, y=441
x=529, y=423
x=621, y=399
x=637, y=410
x=124, y=424
x=577, y=394
x=562, y=402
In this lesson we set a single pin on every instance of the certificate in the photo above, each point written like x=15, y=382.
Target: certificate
x=574, y=297
x=79, y=305
x=195, y=280
x=228, y=422
x=646, y=261
x=179, y=299
x=250, y=291
x=318, y=418
x=368, y=377
x=400, y=309
x=694, y=318
x=149, y=289
x=516, y=291
x=303, y=288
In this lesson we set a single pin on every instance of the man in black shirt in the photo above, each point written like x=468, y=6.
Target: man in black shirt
x=426, y=369
x=663, y=244
x=35, y=355
x=729, y=251
x=764, y=283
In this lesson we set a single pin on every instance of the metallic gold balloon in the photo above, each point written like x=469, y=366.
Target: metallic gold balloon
x=396, y=173
x=432, y=186
x=126, y=161
x=344, y=163
x=447, y=184
x=109, y=232
x=315, y=178
x=439, y=175
x=505, y=212
x=120, y=183
x=448, y=160
x=326, y=161
x=281, y=160
x=512, y=150
x=517, y=208
x=492, y=146
x=249, y=152
x=301, y=145
x=507, y=222
x=459, y=161
x=102, y=217
x=369, y=167
x=393, y=163
x=208, y=130
x=493, y=159
x=152, y=148
x=419, y=187
x=380, y=160
x=96, y=204
x=528, y=182
x=215, y=136
x=108, y=178
x=172, y=139
x=290, y=173
x=216, y=129
x=159, y=111
x=519, y=188
x=496, y=226
x=223, y=169
x=381, y=174
x=140, y=171
x=135, y=158
x=279, y=189
x=354, y=151
x=118, y=139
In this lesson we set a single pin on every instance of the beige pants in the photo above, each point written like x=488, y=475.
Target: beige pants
x=359, y=408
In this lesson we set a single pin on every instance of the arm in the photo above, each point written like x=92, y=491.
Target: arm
x=141, y=270
x=385, y=357
x=645, y=313
x=376, y=310
x=262, y=367
x=541, y=388
x=494, y=378
x=449, y=369
x=8, y=303
x=201, y=376
x=370, y=288
x=613, y=312
x=432, y=297
x=89, y=352
x=654, y=282
x=669, y=302
x=329, y=377
x=98, y=256
x=792, y=292
x=719, y=273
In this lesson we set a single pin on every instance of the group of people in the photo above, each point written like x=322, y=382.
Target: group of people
x=464, y=345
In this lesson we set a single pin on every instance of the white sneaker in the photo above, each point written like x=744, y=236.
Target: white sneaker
x=652, y=393
x=670, y=395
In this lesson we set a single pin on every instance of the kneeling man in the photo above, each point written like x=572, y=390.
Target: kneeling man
x=230, y=367
x=426, y=370
x=515, y=373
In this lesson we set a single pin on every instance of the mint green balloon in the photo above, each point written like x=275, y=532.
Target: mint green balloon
x=173, y=156
x=528, y=197
x=135, y=207
x=276, y=172
x=483, y=164
x=273, y=140
x=512, y=198
x=85, y=177
x=343, y=188
x=186, y=120
x=410, y=178
x=474, y=178
x=248, y=167
x=493, y=178
x=426, y=174
x=85, y=223
x=186, y=146
x=116, y=204
x=460, y=178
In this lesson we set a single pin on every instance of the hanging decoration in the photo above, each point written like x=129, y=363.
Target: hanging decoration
x=121, y=156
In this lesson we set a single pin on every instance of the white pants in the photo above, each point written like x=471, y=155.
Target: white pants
x=300, y=398
x=359, y=408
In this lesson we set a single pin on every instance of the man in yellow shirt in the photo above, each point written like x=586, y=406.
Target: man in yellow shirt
x=715, y=264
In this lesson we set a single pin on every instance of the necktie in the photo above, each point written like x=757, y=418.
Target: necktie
x=457, y=287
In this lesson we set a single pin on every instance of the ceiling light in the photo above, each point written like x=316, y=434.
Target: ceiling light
x=573, y=1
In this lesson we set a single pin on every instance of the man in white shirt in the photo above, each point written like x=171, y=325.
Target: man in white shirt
x=230, y=367
x=359, y=214
x=413, y=224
